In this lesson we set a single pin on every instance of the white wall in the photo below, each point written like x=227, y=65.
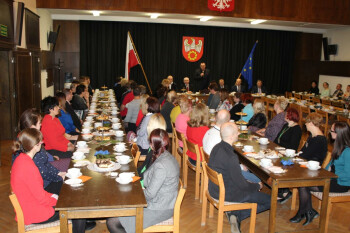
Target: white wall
x=333, y=81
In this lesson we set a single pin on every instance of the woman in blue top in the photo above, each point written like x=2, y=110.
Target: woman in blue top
x=247, y=101
x=339, y=164
x=65, y=118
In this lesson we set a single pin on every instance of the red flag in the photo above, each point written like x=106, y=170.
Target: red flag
x=221, y=5
x=131, y=58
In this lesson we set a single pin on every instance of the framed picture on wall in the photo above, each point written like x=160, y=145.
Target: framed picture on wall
x=32, y=29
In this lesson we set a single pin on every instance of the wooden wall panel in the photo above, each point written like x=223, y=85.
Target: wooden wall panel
x=315, y=11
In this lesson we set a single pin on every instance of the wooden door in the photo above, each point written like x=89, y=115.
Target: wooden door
x=36, y=73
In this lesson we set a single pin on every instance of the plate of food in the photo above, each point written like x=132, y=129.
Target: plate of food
x=102, y=117
x=104, y=165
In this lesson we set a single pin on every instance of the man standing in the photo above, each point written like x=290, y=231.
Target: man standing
x=172, y=85
x=222, y=84
x=259, y=88
x=224, y=160
x=238, y=87
x=187, y=87
x=202, y=76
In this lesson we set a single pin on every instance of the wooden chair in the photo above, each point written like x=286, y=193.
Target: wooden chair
x=136, y=153
x=52, y=227
x=289, y=94
x=316, y=100
x=295, y=190
x=194, y=148
x=343, y=118
x=326, y=102
x=220, y=204
x=172, y=224
x=269, y=109
x=337, y=104
x=180, y=152
x=303, y=112
x=173, y=140
x=324, y=124
x=205, y=155
x=297, y=96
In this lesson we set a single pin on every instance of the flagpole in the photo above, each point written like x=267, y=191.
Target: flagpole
x=138, y=58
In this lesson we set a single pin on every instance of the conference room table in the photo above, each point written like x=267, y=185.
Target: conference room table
x=294, y=176
x=101, y=196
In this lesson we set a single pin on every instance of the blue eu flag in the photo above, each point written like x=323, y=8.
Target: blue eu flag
x=247, y=70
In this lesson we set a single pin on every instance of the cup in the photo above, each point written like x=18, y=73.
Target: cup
x=116, y=126
x=212, y=111
x=89, y=118
x=313, y=164
x=248, y=148
x=114, y=108
x=123, y=159
x=243, y=127
x=81, y=144
x=114, y=112
x=290, y=152
x=119, y=133
x=263, y=141
x=87, y=124
x=115, y=120
x=78, y=155
x=266, y=162
x=85, y=130
x=126, y=175
x=98, y=124
x=92, y=110
x=113, y=105
x=74, y=172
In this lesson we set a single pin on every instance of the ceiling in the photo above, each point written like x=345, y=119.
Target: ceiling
x=128, y=16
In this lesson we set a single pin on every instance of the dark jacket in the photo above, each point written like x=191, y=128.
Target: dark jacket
x=315, y=90
x=224, y=160
x=173, y=87
x=315, y=148
x=203, y=82
x=255, y=89
x=258, y=120
x=234, y=89
x=234, y=109
x=190, y=87
x=289, y=137
x=165, y=111
x=118, y=90
x=225, y=87
x=75, y=118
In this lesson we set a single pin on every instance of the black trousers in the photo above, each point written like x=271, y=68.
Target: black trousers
x=54, y=187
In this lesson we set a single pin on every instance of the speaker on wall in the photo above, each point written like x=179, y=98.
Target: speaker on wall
x=325, y=48
x=52, y=38
x=332, y=49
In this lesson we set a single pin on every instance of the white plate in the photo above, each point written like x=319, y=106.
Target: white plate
x=120, y=151
x=279, y=148
x=248, y=151
x=124, y=181
x=73, y=181
x=115, y=174
x=264, y=143
x=76, y=185
x=272, y=156
x=313, y=169
x=94, y=167
x=73, y=177
x=266, y=166
x=81, y=163
x=81, y=147
x=79, y=159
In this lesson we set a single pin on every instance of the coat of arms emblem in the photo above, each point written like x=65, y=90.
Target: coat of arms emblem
x=221, y=5
x=192, y=48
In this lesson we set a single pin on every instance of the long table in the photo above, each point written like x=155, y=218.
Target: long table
x=102, y=196
x=295, y=176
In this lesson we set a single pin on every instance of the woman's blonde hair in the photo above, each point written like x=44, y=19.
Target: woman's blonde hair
x=123, y=82
x=314, y=118
x=259, y=106
x=184, y=103
x=199, y=116
x=282, y=102
x=165, y=82
x=156, y=122
x=171, y=96
x=143, y=105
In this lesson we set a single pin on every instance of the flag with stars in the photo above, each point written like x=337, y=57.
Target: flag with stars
x=247, y=71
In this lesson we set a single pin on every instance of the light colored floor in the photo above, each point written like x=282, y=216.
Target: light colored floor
x=190, y=210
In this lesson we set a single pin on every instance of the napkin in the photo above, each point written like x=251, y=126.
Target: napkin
x=287, y=162
x=135, y=178
x=102, y=152
x=84, y=178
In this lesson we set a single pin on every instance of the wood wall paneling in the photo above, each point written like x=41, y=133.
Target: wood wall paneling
x=32, y=30
x=315, y=11
x=335, y=68
x=6, y=18
x=68, y=37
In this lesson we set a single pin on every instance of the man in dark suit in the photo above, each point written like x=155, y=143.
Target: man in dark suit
x=187, y=87
x=202, y=76
x=70, y=110
x=259, y=88
x=172, y=85
x=238, y=87
x=222, y=84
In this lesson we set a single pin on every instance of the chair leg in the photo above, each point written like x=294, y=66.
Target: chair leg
x=319, y=203
x=185, y=171
x=211, y=211
x=204, y=210
x=253, y=218
x=201, y=188
x=328, y=214
x=220, y=221
x=294, y=198
x=196, y=195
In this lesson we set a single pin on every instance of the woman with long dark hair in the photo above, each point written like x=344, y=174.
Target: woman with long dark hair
x=339, y=164
x=161, y=181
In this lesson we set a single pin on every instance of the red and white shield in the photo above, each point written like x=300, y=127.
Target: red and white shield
x=221, y=5
x=192, y=48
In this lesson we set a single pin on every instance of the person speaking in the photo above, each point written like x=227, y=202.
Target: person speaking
x=202, y=76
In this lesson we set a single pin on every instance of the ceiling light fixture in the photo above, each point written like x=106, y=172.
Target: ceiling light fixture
x=96, y=13
x=155, y=15
x=205, y=18
x=258, y=21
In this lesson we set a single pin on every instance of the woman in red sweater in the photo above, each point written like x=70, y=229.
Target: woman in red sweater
x=37, y=204
x=55, y=137
x=197, y=127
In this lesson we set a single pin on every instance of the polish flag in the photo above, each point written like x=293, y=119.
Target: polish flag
x=131, y=58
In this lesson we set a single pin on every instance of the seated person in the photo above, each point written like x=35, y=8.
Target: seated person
x=172, y=85
x=76, y=121
x=259, y=88
x=258, y=120
x=224, y=160
x=325, y=92
x=314, y=89
x=197, y=126
x=65, y=118
x=237, y=106
x=183, y=117
x=133, y=111
x=339, y=164
x=55, y=139
x=214, y=101
x=247, y=101
x=79, y=103
x=127, y=97
x=187, y=87
x=338, y=92
x=161, y=181
x=238, y=87
x=276, y=124
x=167, y=108
x=222, y=84
x=51, y=176
x=143, y=109
x=346, y=95
x=225, y=100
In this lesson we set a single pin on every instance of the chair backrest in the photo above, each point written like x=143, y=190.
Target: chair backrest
x=342, y=118
x=177, y=207
x=305, y=97
x=304, y=112
x=324, y=121
x=179, y=136
x=19, y=213
x=326, y=102
x=205, y=155
x=316, y=100
x=327, y=159
x=297, y=96
x=194, y=148
x=216, y=178
x=136, y=153
x=337, y=104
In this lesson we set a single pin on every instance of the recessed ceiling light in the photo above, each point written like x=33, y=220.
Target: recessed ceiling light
x=205, y=18
x=258, y=21
x=155, y=15
x=96, y=13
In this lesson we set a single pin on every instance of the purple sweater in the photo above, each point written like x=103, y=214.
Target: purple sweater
x=275, y=126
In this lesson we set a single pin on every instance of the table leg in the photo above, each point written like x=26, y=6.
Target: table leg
x=63, y=222
x=272, y=220
x=324, y=207
x=139, y=220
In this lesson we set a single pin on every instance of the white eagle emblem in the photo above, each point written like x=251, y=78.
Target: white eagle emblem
x=193, y=45
x=221, y=4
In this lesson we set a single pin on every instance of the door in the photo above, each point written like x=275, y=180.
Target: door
x=36, y=73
